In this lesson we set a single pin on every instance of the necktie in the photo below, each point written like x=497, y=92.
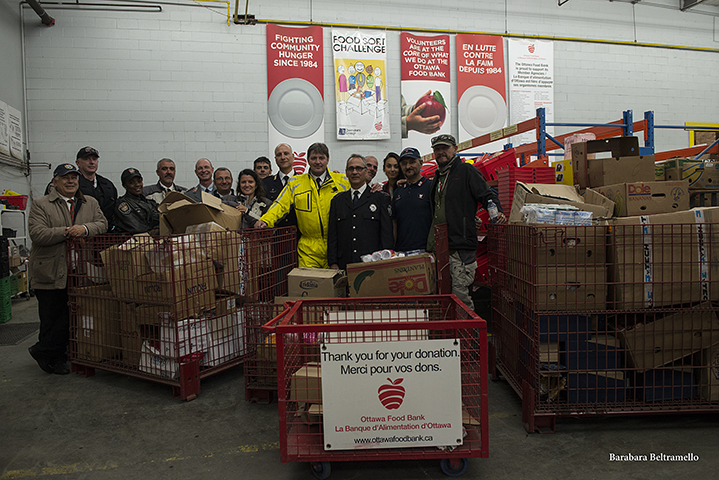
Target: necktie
x=319, y=183
x=71, y=202
x=356, y=197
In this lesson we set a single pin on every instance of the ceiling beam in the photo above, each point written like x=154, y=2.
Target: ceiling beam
x=687, y=4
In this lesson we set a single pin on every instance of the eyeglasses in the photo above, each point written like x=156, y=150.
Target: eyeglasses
x=356, y=169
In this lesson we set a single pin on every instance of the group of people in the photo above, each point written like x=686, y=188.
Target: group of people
x=339, y=217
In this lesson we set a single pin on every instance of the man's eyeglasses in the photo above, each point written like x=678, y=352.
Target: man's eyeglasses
x=356, y=169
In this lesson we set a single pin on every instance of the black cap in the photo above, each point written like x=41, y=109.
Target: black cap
x=86, y=152
x=65, y=168
x=128, y=174
x=444, y=140
x=410, y=152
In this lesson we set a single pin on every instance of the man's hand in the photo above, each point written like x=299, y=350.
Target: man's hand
x=477, y=223
x=501, y=218
x=428, y=125
x=375, y=187
x=261, y=224
x=75, y=231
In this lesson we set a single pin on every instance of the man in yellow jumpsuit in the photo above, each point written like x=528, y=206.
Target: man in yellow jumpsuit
x=311, y=195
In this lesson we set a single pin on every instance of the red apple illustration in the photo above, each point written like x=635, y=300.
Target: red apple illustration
x=531, y=48
x=434, y=105
x=391, y=395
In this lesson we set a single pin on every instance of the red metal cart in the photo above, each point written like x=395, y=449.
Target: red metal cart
x=309, y=327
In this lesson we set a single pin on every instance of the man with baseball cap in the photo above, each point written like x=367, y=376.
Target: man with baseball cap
x=411, y=204
x=63, y=213
x=457, y=190
x=95, y=185
x=134, y=213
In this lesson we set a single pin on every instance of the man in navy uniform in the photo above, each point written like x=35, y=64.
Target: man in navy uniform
x=360, y=220
x=412, y=204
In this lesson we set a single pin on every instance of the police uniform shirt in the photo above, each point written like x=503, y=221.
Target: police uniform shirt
x=412, y=209
x=136, y=214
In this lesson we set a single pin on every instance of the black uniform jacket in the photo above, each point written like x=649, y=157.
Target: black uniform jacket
x=135, y=214
x=356, y=230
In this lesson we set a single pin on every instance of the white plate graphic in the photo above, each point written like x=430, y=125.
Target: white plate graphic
x=295, y=108
x=482, y=110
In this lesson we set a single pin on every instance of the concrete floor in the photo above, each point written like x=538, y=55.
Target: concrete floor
x=115, y=427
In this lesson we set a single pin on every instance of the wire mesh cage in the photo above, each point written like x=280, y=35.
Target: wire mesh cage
x=172, y=308
x=613, y=319
x=308, y=331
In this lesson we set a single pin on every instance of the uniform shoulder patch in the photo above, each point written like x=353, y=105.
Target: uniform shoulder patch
x=124, y=208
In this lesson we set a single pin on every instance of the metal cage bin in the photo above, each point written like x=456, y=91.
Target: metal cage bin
x=172, y=309
x=612, y=319
x=316, y=386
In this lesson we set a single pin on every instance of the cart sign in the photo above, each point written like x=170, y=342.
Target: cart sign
x=391, y=394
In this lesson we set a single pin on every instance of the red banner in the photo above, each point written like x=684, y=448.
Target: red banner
x=481, y=87
x=295, y=87
x=425, y=67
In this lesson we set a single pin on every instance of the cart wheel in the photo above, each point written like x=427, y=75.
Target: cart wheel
x=454, y=467
x=321, y=470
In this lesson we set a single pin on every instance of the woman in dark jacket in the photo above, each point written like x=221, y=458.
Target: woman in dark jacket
x=252, y=197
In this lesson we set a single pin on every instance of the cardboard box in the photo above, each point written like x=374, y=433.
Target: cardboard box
x=710, y=374
x=699, y=174
x=647, y=198
x=661, y=342
x=179, y=210
x=306, y=384
x=546, y=246
x=316, y=283
x=154, y=363
x=563, y=288
x=138, y=322
x=190, y=288
x=98, y=324
x=124, y=263
x=659, y=172
x=625, y=164
x=413, y=275
x=225, y=333
x=591, y=201
x=229, y=250
x=664, y=259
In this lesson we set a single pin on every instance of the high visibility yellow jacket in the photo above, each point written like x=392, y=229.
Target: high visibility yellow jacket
x=312, y=206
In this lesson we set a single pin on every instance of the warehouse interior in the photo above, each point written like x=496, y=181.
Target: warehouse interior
x=143, y=80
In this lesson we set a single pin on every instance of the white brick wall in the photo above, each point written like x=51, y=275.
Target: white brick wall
x=182, y=84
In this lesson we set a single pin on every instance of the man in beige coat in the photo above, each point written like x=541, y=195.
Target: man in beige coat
x=63, y=213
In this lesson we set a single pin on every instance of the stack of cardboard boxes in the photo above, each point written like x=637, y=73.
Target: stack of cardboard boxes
x=654, y=253
x=168, y=300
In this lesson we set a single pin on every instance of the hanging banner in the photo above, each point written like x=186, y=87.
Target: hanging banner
x=425, y=89
x=4, y=137
x=360, y=79
x=531, y=83
x=481, y=88
x=391, y=394
x=295, y=91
